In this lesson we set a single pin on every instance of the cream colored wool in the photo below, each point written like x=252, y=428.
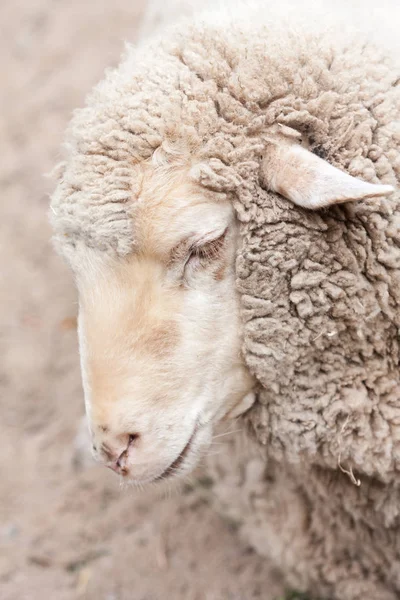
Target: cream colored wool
x=320, y=291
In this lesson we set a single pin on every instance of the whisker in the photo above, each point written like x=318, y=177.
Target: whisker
x=227, y=433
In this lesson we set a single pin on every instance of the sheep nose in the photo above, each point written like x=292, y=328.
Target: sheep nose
x=115, y=458
x=117, y=465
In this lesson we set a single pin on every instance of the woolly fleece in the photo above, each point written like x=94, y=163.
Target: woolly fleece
x=320, y=291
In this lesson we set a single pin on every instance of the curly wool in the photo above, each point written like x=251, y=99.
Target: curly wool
x=320, y=291
x=209, y=90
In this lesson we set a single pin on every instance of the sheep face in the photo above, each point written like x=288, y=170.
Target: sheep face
x=160, y=335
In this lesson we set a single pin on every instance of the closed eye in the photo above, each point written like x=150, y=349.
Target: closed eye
x=202, y=253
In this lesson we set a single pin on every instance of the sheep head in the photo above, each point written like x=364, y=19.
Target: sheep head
x=160, y=329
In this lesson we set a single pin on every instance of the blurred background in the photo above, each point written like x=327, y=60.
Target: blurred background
x=67, y=530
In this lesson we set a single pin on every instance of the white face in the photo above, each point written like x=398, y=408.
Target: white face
x=160, y=335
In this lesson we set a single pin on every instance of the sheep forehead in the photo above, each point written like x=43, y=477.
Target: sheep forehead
x=169, y=209
x=133, y=290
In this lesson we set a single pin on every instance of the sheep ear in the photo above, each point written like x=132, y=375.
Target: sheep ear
x=307, y=180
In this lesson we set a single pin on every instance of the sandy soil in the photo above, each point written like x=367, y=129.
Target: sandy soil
x=66, y=529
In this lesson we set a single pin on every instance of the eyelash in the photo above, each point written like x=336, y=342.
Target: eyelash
x=208, y=251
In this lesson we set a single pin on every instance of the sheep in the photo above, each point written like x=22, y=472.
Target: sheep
x=227, y=205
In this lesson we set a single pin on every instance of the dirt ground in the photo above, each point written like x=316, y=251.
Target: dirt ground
x=67, y=530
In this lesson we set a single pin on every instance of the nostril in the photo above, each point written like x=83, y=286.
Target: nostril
x=119, y=466
x=120, y=460
x=115, y=462
x=133, y=437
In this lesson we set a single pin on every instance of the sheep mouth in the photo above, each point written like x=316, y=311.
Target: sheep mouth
x=173, y=468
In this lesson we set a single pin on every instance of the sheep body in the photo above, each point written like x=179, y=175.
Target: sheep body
x=320, y=291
